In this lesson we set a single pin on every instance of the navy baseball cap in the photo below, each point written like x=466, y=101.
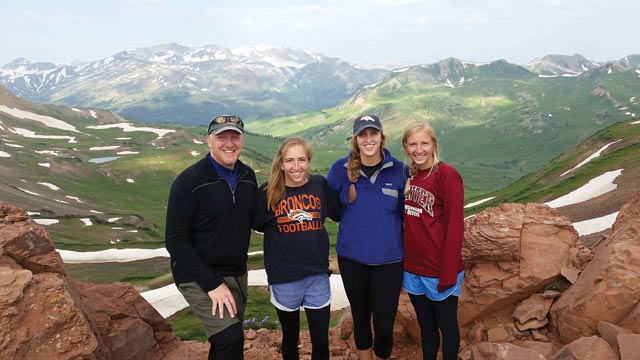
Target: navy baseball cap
x=366, y=121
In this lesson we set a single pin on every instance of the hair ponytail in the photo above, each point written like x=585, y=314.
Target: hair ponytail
x=353, y=169
x=413, y=170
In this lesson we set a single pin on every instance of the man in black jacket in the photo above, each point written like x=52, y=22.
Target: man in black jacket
x=209, y=217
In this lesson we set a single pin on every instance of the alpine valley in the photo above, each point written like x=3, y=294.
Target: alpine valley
x=91, y=150
x=173, y=83
x=496, y=121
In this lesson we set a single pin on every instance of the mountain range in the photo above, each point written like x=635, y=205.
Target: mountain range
x=98, y=181
x=495, y=121
x=174, y=83
x=71, y=163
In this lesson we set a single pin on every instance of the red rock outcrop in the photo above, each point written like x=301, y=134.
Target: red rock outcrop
x=609, y=287
x=629, y=346
x=127, y=323
x=503, y=351
x=513, y=251
x=632, y=321
x=46, y=316
x=510, y=253
x=586, y=348
x=609, y=332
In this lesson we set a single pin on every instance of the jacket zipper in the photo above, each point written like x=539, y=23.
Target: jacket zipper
x=233, y=193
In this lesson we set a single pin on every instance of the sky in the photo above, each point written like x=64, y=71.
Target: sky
x=376, y=32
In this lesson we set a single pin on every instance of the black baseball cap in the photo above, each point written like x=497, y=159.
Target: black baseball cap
x=225, y=122
x=366, y=121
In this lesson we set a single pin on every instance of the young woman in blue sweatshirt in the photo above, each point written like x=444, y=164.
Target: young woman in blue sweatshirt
x=292, y=209
x=369, y=183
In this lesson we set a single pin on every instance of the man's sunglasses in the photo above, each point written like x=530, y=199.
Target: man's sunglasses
x=225, y=119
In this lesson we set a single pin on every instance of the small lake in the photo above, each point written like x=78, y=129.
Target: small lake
x=103, y=159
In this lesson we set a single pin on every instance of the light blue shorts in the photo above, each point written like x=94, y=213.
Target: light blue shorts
x=428, y=286
x=312, y=292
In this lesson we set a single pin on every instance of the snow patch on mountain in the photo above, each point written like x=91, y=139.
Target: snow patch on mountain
x=101, y=148
x=128, y=127
x=46, y=120
x=48, y=152
x=595, y=225
x=46, y=221
x=31, y=134
x=476, y=203
x=595, y=187
x=29, y=192
x=591, y=157
x=278, y=56
x=49, y=185
x=74, y=198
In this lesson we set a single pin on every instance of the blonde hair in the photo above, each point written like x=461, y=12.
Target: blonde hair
x=355, y=162
x=276, y=184
x=410, y=130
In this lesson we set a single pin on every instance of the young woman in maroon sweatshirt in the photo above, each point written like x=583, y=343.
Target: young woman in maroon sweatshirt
x=433, y=233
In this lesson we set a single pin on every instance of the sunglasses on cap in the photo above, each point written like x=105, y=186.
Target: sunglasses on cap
x=231, y=121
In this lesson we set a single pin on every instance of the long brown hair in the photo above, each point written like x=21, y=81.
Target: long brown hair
x=276, y=184
x=355, y=162
x=410, y=130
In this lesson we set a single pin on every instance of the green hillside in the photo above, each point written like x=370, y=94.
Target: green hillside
x=492, y=129
x=496, y=122
x=552, y=180
x=133, y=187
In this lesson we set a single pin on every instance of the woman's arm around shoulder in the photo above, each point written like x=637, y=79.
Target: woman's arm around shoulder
x=260, y=209
x=333, y=205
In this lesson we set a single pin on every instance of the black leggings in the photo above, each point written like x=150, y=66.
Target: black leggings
x=434, y=315
x=318, y=329
x=228, y=344
x=372, y=290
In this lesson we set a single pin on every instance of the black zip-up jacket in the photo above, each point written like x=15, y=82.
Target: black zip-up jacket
x=208, y=225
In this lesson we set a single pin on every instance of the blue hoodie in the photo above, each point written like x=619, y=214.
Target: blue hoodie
x=370, y=231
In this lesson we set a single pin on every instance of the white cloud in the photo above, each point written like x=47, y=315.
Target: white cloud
x=410, y=31
x=476, y=19
x=396, y=2
x=31, y=16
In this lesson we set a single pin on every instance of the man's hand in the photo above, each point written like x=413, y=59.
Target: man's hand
x=221, y=297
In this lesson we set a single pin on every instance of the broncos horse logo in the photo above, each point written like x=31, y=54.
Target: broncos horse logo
x=299, y=215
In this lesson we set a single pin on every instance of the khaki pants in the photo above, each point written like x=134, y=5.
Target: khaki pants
x=201, y=304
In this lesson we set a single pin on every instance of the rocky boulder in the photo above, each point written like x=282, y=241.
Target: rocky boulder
x=503, y=351
x=513, y=251
x=45, y=315
x=127, y=323
x=629, y=346
x=632, y=321
x=586, y=348
x=532, y=312
x=609, y=287
x=609, y=332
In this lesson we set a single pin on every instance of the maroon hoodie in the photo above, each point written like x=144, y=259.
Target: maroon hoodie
x=434, y=225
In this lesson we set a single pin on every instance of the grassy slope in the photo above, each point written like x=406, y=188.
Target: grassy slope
x=494, y=129
x=467, y=119
x=103, y=187
x=546, y=183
